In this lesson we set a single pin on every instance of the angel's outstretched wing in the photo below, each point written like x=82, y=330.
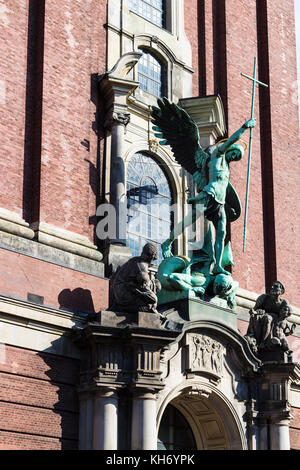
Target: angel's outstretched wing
x=177, y=129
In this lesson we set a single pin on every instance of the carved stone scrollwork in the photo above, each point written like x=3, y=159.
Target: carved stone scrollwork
x=120, y=118
x=117, y=118
x=205, y=355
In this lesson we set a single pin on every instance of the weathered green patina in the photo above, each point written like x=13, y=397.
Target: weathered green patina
x=216, y=197
x=254, y=82
x=179, y=274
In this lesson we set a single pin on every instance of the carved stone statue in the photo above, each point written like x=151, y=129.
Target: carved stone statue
x=131, y=287
x=216, y=197
x=268, y=326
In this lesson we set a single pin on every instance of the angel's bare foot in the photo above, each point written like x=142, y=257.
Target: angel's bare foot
x=166, y=249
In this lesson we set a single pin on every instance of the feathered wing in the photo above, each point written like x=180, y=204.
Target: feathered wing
x=177, y=129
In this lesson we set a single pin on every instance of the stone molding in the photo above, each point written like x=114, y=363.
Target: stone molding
x=66, y=240
x=11, y=222
x=37, y=327
x=50, y=254
x=208, y=114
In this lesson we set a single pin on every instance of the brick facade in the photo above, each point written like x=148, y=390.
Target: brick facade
x=52, y=170
x=295, y=429
x=13, y=40
x=38, y=401
x=59, y=286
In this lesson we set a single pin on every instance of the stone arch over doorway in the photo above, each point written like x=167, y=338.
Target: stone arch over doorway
x=210, y=416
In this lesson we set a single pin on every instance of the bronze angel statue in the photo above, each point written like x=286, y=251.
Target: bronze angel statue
x=216, y=196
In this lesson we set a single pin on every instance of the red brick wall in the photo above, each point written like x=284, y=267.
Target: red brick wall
x=13, y=46
x=241, y=48
x=69, y=62
x=191, y=15
x=50, y=153
x=60, y=287
x=295, y=429
x=285, y=143
x=38, y=400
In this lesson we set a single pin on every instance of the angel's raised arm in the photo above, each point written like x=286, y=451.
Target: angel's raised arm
x=236, y=136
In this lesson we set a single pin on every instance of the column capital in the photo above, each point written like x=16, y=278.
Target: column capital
x=106, y=391
x=144, y=393
x=274, y=392
x=120, y=118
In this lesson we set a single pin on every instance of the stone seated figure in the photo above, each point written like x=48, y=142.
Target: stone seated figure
x=131, y=287
x=268, y=326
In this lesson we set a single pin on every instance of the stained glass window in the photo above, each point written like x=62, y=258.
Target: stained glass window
x=152, y=10
x=148, y=203
x=150, y=74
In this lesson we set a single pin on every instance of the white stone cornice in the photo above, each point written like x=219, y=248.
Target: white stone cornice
x=27, y=325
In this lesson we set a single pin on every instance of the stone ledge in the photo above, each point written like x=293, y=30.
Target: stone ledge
x=50, y=254
x=13, y=223
x=119, y=319
x=35, y=327
x=12, y=309
x=65, y=240
x=193, y=309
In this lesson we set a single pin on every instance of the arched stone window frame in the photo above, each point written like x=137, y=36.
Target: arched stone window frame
x=164, y=71
x=169, y=62
x=128, y=31
x=170, y=166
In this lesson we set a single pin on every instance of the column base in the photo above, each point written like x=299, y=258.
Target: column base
x=10, y=222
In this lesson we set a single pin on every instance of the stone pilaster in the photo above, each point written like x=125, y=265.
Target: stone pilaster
x=274, y=410
x=208, y=114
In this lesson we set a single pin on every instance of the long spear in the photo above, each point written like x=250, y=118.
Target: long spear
x=250, y=148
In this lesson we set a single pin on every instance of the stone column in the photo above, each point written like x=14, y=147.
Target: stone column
x=115, y=89
x=117, y=173
x=280, y=435
x=263, y=435
x=105, y=432
x=274, y=413
x=143, y=431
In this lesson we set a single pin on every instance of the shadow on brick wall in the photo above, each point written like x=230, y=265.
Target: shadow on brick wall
x=62, y=373
x=77, y=301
